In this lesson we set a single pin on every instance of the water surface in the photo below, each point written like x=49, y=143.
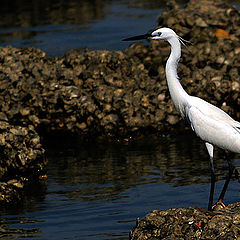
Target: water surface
x=97, y=190
x=60, y=26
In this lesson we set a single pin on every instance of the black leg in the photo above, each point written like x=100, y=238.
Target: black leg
x=213, y=180
x=213, y=175
x=229, y=175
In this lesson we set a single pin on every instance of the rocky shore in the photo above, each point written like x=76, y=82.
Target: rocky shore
x=119, y=94
x=189, y=223
x=22, y=161
x=113, y=94
x=211, y=71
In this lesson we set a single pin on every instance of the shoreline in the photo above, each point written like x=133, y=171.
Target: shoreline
x=112, y=95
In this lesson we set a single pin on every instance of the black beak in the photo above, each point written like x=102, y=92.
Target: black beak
x=139, y=37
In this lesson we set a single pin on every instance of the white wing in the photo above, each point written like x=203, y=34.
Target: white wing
x=213, y=125
x=212, y=111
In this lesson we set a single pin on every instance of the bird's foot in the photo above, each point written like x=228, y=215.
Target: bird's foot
x=218, y=205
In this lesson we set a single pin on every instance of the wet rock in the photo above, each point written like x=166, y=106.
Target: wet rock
x=172, y=119
x=112, y=93
x=117, y=94
x=200, y=22
x=22, y=162
x=189, y=223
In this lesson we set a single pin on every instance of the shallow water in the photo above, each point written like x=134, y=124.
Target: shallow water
x=60, y=26
x=97, y=190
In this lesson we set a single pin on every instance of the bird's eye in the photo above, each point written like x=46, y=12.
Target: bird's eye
x=159, y=33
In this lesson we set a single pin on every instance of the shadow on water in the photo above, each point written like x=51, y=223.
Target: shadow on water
x=60, y=26
x=179, y=160
x=96, y=190
x=26, y=13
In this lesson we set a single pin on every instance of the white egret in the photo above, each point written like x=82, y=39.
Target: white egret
x=210, y=123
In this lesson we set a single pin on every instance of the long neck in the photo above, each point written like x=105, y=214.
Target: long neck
x=177, y=92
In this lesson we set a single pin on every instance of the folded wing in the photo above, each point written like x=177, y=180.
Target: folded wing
x=213, y=125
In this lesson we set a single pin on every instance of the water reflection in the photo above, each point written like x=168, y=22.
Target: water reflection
x=59, y=26
x=96, y=190
x=25, y=13
x=17, y=229
x=33, y=23
x=103, y=171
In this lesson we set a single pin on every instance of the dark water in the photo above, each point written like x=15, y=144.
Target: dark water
x=58, y=26
x=97, y=190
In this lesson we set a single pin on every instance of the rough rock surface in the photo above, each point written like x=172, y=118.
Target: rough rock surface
x=189, y=223
x=210, y=72
x=99, y=93
x=120, y=94
x=22, y=161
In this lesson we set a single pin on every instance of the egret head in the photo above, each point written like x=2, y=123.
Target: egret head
x=163, y=34
x=157, y=34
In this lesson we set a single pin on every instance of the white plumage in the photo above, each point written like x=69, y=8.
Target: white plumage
x=210, y=123
x=213, y=125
